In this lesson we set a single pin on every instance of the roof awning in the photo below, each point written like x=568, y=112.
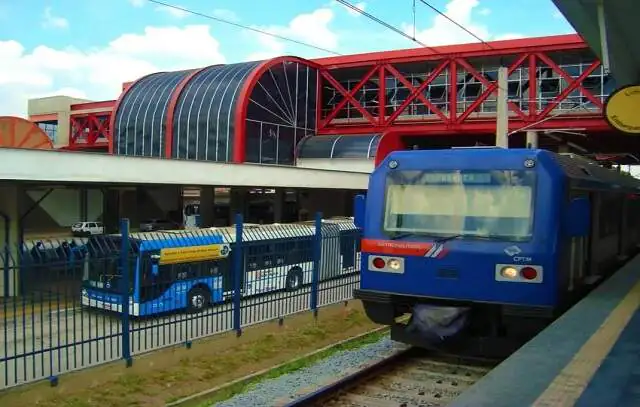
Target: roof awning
x=610, y=29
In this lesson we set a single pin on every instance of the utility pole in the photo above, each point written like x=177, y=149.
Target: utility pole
x=502, y=113
x=532, y=139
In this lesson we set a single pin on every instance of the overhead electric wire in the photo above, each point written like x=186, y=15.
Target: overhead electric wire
x=395, y=29
x=465, y=29
x=242, y=26
x=385, y=24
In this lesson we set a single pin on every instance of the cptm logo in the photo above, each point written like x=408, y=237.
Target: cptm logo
x=513, y=252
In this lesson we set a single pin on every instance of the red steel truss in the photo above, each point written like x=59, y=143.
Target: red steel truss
x=451, y=117
x=458, y=119
x=89, y=131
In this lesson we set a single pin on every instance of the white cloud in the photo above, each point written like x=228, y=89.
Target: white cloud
x=173, y=12
x=226, y=14
x=484, y=11
x=312, y=28
x=52, y=21
x=444, y=32
x=507, y=36
x=99, y=73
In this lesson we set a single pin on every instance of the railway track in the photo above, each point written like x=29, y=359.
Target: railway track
x=408, y=378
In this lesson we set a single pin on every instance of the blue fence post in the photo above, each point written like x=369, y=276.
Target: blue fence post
x=126, y=286
x=238, y=269
x=317, y=256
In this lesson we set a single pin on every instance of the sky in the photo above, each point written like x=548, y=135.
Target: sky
x=88, y=48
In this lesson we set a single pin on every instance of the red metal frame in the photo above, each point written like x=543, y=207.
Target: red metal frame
x=529, y=54
x=240, y=122
x=87, y=129
x=553, y=43
x=102, y=105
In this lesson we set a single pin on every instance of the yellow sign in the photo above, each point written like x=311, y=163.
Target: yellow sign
x=622, y=109
x=193, y=253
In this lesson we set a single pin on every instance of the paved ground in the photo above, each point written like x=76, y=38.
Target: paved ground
x=43, y=344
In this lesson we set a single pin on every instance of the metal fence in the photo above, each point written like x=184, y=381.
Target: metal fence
x=87, y=301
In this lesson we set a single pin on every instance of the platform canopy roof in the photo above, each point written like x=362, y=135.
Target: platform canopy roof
x=617, y=20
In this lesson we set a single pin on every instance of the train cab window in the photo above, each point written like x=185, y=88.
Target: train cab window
x=476, y=204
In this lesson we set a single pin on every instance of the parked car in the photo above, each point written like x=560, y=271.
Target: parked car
x=157, y=224
x=87, y=228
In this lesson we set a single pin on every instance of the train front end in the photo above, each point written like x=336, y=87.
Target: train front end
x=452, y=234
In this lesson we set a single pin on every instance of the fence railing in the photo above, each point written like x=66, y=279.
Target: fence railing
x=85, y=301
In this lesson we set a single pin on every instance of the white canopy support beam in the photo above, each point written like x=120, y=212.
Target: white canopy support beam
x=602, y=27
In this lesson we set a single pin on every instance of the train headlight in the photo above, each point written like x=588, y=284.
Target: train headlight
x=509, y=272
x=394, y=264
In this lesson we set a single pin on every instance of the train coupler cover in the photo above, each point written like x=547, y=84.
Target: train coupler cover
x=437, y=323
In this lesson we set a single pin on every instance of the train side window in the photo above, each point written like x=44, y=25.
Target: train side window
x=609, y=216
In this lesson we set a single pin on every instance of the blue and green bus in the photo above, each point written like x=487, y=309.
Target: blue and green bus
x=180, y=270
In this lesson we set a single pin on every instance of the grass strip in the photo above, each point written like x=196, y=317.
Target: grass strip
x=173, y=373
x=241, y=385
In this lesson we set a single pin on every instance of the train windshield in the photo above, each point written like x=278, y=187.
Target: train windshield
x=478, y=204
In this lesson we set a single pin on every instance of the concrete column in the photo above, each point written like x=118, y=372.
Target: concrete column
x=207, y=207
x=278, y=205
x=63, y=130
x=238, y=200
x=502, y=113
x=128, y=203
x=9, y=240
x=111, y=210
x=532, y=139
x=84, y=204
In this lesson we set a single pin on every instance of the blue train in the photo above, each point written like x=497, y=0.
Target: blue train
x=489, y=241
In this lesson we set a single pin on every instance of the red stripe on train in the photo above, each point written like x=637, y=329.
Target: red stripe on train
x=395, y=248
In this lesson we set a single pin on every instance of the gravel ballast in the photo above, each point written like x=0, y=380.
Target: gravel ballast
x=332, y=367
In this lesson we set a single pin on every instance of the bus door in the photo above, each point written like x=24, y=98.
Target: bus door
x=330, y=261
x=349, y=247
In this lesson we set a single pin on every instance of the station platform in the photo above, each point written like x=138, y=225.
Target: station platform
x=590, y=356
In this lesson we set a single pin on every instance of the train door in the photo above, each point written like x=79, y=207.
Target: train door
x=580, y=247
x=628, y=226
x=330, y=262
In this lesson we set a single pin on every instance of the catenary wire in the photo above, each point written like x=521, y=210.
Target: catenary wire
x=242, y=26
x=397, y=30
x=465, y=29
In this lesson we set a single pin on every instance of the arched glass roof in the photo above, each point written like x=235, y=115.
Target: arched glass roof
x=361, y=146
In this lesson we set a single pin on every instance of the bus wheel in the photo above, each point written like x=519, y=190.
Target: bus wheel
x=294, y=279
x=197, y=299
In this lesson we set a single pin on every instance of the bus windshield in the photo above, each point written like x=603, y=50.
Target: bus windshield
x=102, y=264
x=480, y=204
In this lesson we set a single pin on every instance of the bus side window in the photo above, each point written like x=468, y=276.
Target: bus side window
x=282, y=253
x=268, y=255
x=304, y=248
x=252, y=258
